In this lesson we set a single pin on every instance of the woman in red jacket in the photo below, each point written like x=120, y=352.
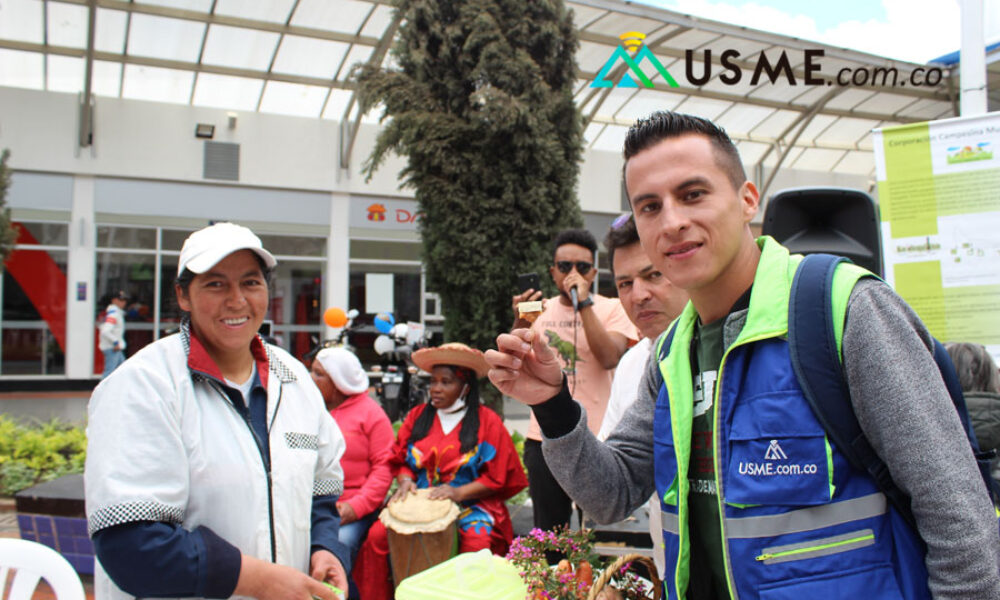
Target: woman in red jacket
x=458, y=448
x=368, y=434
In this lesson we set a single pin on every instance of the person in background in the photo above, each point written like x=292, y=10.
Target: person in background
x=368, y=434
x=111, y=335
x=588, y=342
x=651, y=303
x=458, y=448
x=213, y=467
x=980, y=381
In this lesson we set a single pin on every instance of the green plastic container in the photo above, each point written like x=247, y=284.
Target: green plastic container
x=470, y=576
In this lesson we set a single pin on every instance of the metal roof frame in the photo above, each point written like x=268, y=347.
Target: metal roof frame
x=801, y=125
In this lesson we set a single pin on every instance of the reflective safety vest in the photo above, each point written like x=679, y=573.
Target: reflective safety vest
x=798, y=521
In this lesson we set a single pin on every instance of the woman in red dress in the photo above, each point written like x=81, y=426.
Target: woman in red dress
x=458, y=448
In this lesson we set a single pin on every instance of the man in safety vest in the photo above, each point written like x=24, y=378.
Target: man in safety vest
x=756, y=501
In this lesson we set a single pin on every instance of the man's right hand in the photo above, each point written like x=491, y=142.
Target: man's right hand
x=524, y=367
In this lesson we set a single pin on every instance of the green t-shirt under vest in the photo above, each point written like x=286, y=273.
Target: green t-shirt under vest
x=707, y=567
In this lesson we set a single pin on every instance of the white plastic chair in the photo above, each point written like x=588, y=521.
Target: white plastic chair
x=31, y=562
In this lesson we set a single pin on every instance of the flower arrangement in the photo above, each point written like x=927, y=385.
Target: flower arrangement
x=573, y=577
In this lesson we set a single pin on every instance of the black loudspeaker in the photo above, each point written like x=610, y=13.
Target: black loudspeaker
x=833, y=220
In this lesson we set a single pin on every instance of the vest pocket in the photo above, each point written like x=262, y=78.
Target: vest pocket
x=869, y=582
x=828, y=546
x=778, y=454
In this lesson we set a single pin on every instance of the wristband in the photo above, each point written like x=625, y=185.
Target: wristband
x=588, y=301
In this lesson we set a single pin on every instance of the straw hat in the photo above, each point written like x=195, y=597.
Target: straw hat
x=452, y=353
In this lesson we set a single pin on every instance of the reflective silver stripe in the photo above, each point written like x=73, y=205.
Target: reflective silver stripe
x=807, y=519
x=821, y=547
x=670, y=523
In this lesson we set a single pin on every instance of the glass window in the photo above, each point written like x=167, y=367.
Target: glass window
x=286, y=245
x=406, y=302
x=45, y=234
x=115, y=236
x=33, y=324
x=386, y=250
x=173, y=239
x=170, y=312
x=289, y=245
x=296, y=305
x=135, y=275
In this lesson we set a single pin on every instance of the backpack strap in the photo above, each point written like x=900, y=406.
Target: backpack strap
x=815, y=355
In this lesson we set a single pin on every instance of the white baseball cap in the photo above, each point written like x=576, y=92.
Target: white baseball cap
x=204, y=248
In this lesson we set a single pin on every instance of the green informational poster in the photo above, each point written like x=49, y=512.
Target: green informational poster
x=939, y=197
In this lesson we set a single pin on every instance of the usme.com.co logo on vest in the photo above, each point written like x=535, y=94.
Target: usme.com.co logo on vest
x=641, y=64
x=774, y=464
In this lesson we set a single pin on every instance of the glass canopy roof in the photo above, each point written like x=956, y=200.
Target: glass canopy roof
x=294, y=57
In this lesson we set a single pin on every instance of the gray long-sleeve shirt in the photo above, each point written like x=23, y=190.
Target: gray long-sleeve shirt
x=902, y=407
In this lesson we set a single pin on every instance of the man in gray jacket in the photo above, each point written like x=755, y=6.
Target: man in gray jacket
x=756, y=502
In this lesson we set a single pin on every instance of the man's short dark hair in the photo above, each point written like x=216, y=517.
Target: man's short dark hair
x=662, y=125
x=619, y=237
x=580, y=237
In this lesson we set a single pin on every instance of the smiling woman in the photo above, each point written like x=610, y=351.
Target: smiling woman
x=226, y=306
x=203, y=421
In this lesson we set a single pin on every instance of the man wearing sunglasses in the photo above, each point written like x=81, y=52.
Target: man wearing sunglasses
x=588, y=342
x=757, y=501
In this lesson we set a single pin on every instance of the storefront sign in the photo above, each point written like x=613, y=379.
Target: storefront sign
x=380, y=213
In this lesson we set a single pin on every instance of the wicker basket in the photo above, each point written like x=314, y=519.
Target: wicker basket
x=605, y=577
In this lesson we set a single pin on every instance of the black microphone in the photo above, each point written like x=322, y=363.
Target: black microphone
x=574, y=298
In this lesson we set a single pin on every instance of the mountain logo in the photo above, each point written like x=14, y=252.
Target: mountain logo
x=632, y=52
x=774, y=452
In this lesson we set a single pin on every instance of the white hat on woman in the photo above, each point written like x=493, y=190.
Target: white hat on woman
x=344, y=369
x=204, y=248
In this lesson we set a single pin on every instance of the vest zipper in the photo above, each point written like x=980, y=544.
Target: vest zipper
x=787, y=553
x=267, y=470
x=718, y=480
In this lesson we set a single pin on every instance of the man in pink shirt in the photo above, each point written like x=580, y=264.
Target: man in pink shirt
x=368, y=435
x=588, y=341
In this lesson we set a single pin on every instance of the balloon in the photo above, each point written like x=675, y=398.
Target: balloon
x=335, y=317
x=384, y=322
x=384, y=344
x=399, y=331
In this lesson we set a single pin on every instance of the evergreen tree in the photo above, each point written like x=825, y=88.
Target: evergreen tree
x=7, y=232
x=481, y=107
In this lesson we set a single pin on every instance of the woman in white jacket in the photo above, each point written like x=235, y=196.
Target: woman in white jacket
x=213, y=468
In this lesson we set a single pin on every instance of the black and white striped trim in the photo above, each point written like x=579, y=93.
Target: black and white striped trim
x=128, y=512
x=285, y=375
x=304, y=441
x=328, y=487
